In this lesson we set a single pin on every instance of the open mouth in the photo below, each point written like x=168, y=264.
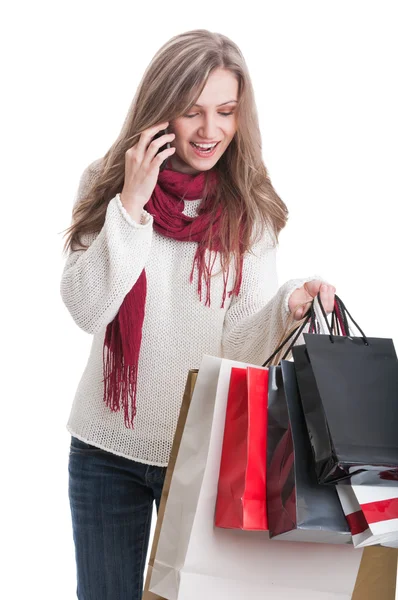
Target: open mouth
x=204, y=151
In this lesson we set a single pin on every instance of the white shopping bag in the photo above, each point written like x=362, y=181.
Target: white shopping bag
x=196, y=560
x=371, y=512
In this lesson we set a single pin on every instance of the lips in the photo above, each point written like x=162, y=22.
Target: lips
x=203, y=153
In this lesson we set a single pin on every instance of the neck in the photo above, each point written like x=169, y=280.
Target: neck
x=179, y=166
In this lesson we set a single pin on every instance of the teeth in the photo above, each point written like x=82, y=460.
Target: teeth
x=204, y=145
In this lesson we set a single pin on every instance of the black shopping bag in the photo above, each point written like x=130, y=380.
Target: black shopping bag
x=349, y=391
x=299, y=508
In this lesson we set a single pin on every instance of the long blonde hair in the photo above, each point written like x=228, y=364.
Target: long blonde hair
x=171, y=84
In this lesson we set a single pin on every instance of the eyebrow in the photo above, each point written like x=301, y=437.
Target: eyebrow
x=229, y=102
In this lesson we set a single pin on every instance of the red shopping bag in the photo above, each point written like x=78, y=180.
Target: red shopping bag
x=241, y=494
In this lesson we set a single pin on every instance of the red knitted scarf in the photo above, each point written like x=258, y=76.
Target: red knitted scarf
x=123, y=335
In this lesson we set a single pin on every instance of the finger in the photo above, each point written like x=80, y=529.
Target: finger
x=327, y=293
x=153, y=149
x=301, y=309
x=147, y=135
x=161, y=156
x=331, y=292
x=311, y=289
x=324, y=296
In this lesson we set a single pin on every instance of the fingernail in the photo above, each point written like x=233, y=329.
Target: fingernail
x=324, y=288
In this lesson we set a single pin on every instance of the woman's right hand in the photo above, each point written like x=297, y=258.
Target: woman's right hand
x=142, y=164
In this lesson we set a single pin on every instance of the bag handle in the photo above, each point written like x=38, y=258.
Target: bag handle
x=345, y=311
x=339, y=325
x=339, y=316
x=313, y=328
x=299, y=329
x=342, y=317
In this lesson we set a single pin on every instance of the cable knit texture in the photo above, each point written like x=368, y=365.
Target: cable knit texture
x=178, y=329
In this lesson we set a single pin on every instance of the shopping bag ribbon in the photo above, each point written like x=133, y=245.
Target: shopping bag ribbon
x=357, y=522
x=383, y=510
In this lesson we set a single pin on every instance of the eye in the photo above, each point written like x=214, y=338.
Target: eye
x=223, y=114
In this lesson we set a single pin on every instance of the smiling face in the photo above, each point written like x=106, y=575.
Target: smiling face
x=212, y=119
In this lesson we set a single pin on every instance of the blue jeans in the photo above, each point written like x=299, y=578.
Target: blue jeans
x=111, y=500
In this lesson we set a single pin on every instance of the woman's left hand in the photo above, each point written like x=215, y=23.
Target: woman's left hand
x=307, y=293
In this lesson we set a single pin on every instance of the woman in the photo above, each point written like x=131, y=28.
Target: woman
x=165, y=265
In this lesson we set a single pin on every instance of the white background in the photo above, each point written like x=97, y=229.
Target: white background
x=325, y=80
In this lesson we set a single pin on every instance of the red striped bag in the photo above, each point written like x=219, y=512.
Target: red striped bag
x=371, y=512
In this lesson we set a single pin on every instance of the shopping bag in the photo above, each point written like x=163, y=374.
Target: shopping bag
x=196, y=560
x=348, y=386
x=299, y=508
x=241, y=495
x=371, y=512
x=189, y=387
x=377, y=574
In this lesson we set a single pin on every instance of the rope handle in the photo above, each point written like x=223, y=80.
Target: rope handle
x=345, y=312
x=339, y=322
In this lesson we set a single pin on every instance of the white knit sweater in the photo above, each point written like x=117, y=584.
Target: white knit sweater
x=178, y=328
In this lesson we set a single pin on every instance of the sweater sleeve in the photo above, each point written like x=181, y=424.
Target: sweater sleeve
x=257, y=318
x=95, y=280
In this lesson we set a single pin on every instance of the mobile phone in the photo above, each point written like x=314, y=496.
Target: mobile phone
x=167, y=145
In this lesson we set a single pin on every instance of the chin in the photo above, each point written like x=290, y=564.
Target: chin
x=190, y=165
x=203, y=165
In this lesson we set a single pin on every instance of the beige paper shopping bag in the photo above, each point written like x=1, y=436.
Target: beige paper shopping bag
x=377, y=574
x=189, y=387
x=196, y=560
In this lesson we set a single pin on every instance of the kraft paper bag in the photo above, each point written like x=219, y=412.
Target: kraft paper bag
x=189, y=387
x=196, y=560
x=377, y=574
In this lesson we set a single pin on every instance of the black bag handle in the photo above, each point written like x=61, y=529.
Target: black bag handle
x=341, y=318
x=310, y=314
x=313, y=328
x=338, y=324
x=311, y=317
x=335, y=326
x=344, y=312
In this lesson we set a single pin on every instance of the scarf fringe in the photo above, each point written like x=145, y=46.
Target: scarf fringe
x=205, y=271
x=120, y=383
x=121, y=352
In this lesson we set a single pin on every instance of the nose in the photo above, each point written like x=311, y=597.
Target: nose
x=208, y=130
